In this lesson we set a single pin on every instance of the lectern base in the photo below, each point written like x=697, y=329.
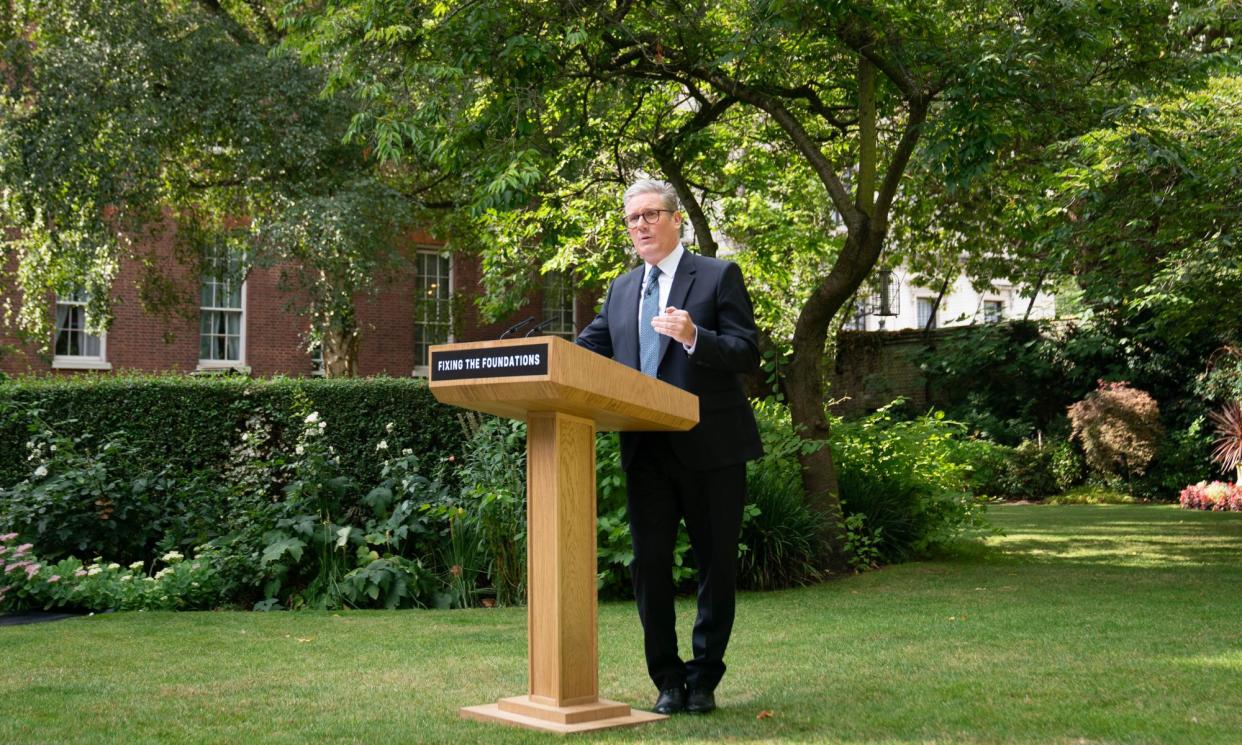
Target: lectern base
x=521, y=711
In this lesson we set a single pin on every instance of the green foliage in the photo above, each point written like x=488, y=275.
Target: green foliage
x=324, y=552
x=615, y=551
x=1008, y=381
x=493, y=498
x=189, y=425
x=30, y=582
x=780, y=535
x=129, y=115
x=908, y=481
x=1014, y=382
x=1089, y=494
x=82, y=498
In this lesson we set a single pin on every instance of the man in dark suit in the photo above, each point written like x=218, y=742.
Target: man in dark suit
x=687, y=320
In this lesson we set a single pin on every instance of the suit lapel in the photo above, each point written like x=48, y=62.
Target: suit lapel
x=625, y=320
x=683, y=279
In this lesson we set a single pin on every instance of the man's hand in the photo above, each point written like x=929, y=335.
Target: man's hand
x=677, y=324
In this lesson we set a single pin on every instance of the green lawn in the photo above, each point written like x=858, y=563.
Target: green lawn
x=1083, y=624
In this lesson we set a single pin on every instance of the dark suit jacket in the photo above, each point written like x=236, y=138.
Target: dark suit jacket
x=713, y=293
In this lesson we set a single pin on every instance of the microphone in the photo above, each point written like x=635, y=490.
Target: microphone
x=517, y=326
x=541, y=326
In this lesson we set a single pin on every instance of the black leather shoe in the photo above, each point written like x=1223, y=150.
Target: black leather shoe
x=699, y=701
x=671, y=701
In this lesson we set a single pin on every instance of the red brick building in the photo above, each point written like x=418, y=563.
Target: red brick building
x=251, y=329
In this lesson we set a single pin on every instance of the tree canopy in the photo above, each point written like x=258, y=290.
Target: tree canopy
x=121, y=119
x=813, y=140
x=794, y=129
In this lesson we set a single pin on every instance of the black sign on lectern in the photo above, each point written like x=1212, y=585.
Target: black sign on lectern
x=495, y=362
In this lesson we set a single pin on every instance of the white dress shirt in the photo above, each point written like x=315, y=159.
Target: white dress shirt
x=668, y=268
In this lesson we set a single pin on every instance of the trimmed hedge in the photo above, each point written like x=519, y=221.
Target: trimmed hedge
x=190, y=424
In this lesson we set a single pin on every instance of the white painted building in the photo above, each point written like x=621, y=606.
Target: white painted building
x=961, y=305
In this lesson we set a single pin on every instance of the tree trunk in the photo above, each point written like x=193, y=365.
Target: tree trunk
x=806, y=385
x=340, y=347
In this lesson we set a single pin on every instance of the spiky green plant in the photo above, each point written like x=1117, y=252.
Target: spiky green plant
x=1228, y=452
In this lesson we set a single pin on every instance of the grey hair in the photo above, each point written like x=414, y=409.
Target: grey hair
x=652, y=186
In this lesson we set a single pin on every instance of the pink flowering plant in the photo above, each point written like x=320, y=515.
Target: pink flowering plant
x=1217, y=496
x=26, y=582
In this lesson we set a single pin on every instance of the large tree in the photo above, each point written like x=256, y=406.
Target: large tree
x=124, y=117
x=775, y=117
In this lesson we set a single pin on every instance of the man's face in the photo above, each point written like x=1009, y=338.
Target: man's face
x=653, y=241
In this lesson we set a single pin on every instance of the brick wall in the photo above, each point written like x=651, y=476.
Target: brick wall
x=275, y=330
x=874, y=367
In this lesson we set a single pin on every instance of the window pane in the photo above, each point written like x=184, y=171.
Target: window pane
x=925, y=312
x=433, y=310
x=71, y=337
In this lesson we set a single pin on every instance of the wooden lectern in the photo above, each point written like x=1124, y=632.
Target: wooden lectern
x=566, y=394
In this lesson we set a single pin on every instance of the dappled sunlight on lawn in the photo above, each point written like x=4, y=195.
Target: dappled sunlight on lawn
x=1138, y=536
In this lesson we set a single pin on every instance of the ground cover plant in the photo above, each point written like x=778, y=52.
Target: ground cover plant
x=1042, y=635
x=301, y=506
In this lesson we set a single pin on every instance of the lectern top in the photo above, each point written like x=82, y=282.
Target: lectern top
x=514, y=377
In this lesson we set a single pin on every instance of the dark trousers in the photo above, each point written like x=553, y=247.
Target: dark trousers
x=661, y=492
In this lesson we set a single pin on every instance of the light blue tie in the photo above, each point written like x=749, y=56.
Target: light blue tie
x=648, y=339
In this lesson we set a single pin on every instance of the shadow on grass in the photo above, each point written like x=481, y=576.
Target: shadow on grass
x=1125, y=536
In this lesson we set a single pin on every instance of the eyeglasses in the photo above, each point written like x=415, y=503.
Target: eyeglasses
x=651, y=217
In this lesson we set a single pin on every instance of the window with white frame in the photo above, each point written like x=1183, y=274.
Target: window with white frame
x=432, y=303
x=993, y=311
x=74, y=346
x=221, y=338
x=558, y=305
x=927, y=312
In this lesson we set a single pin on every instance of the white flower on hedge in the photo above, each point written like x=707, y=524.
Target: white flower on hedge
x=127, y=578
x=299, y=450
x=96, y=569
x=113, y=567
x=383, y=445
x=323, y=426
x=312, y=417
x=172, y=557
x=390, y=427
x=40, y=472
x=136, y=566
x=161, y=574
x=407, y=451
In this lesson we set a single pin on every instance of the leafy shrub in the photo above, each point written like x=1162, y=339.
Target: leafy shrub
x=319, y=556
x=186, y=425
x=780, y=535
x=615, y=550
x=1029, y=473
x=493, y=498
x=27, y=582
x=908, y=481
x=1022, y=472
x=1118, y=428
x=81, y=496
x=1069, y=469
x=1218, y=496
x=1184, y=454
x=1008, y=381
x=1088, y=494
